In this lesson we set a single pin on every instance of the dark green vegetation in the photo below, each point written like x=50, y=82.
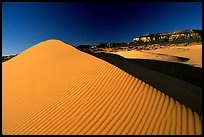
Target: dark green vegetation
x=149, y=41
x=5, y=58
x=187, y=41
x=113, y=47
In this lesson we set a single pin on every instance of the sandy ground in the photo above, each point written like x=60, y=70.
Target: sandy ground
x=182, y=91
x=193, y=52
x=53, y=88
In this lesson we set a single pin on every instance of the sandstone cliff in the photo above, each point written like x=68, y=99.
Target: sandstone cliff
x=171, y=36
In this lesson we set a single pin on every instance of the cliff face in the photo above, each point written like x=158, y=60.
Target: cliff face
x=180, y=34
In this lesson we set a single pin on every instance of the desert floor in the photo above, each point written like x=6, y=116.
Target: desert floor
x=53, y=88
x=170, y=54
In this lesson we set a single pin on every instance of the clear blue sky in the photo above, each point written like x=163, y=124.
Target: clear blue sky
x=27, y=23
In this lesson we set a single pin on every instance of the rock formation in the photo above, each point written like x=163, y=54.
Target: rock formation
x=177, y=35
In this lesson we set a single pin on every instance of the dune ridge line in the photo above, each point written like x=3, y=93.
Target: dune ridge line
x=53, y=88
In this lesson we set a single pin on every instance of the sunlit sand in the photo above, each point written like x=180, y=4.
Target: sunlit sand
x=192, y=53
x=53, y=88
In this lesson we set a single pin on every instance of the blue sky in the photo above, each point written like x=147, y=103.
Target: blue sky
x=79, y=23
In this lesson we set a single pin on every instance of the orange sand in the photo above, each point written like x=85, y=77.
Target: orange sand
x=194, y=53
x=53, y=88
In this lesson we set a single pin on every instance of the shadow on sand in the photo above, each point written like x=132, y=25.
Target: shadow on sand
x=179, y=81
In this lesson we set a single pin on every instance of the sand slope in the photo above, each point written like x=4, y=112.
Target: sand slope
x=192, y=54
x=53, y=88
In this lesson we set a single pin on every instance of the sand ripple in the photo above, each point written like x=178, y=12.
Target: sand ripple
x=53, y=88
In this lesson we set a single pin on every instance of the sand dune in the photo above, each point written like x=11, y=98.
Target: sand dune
x=191, y=55
x=193, y=52
x=53, y=88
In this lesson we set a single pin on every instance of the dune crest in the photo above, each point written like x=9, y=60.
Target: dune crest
x=53, y=88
